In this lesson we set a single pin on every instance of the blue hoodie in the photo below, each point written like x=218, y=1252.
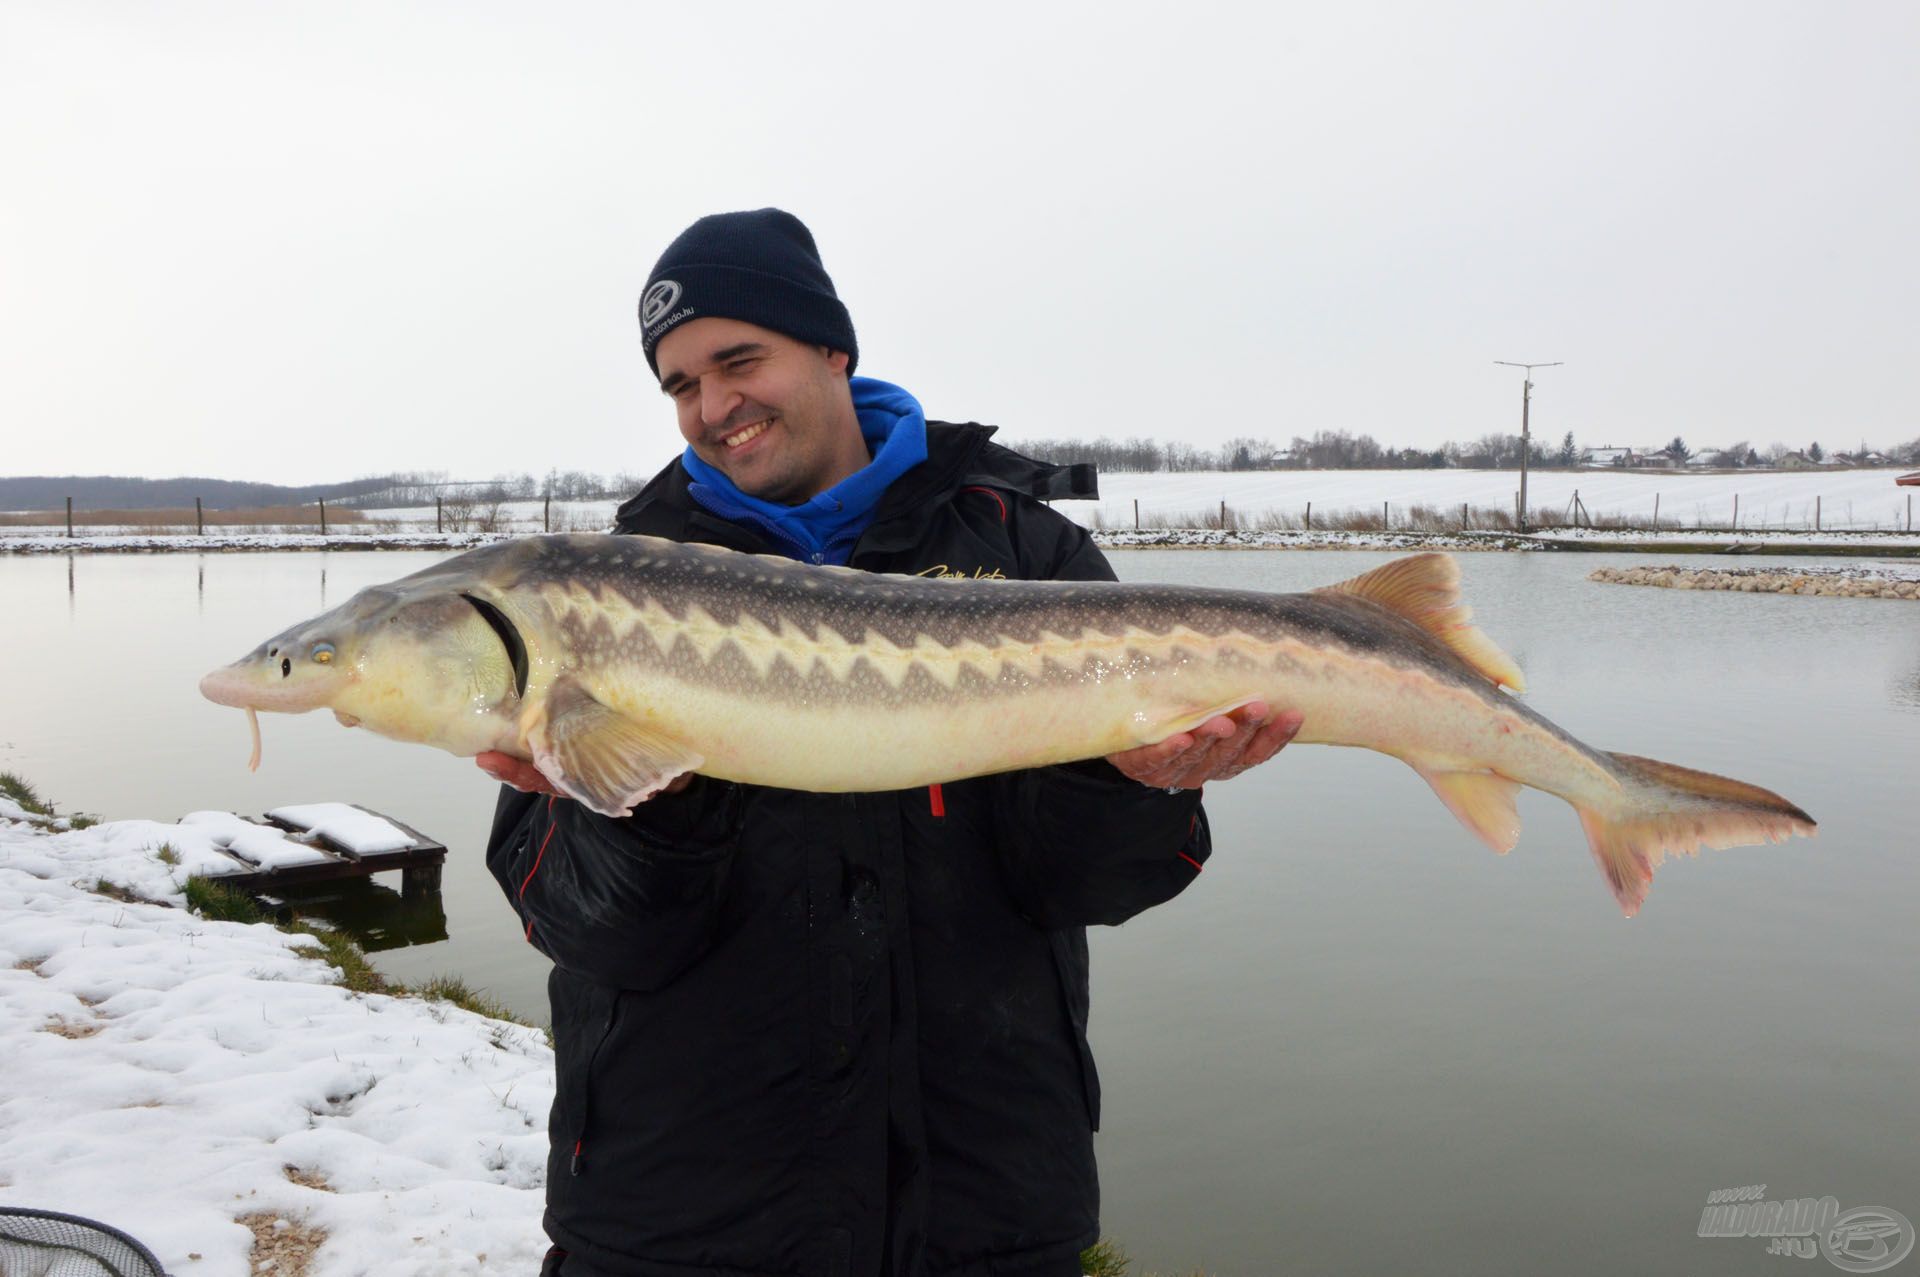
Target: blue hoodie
x=824, y=529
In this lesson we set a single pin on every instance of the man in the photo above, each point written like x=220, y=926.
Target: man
x=837, y=1034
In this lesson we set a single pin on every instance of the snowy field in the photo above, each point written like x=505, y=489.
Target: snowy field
x=190, y=1081
x=1866, y=500
x=1863, y=499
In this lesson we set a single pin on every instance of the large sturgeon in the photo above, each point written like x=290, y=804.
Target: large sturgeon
x=617, y=663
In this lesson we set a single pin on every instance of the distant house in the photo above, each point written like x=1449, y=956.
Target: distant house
x=1797, y=461
x=1652, y=460
x=1712, y=461
x=1606, y=456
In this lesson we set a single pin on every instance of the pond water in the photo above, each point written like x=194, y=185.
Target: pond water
x=1360, y=1042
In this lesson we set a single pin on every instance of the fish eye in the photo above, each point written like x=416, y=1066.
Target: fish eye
x=323, y=652
x=286, y=667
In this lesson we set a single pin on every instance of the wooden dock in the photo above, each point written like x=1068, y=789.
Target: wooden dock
x=419, y=863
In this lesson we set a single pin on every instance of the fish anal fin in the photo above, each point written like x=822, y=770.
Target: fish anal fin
x=1483, y=801
x=1425, y=589
x=603, y=758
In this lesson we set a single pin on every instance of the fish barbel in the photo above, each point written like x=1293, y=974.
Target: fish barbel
x=616, y=663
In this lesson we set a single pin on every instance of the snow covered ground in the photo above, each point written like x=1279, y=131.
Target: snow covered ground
x=173, y=1077
x=1775, y=499
x=1847, y=505
x=13, y=541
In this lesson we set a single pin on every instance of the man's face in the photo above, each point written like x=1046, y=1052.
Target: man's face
x=772, y=414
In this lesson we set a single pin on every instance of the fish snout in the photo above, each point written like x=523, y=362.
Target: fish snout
x=255, y=682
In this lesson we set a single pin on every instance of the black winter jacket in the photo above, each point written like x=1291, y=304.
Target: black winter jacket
x=842, y=1034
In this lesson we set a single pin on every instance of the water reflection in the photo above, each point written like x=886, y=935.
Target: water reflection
x=1906, y=689
x=378, y=917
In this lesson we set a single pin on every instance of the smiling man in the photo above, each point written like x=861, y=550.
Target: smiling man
x=841, y=1035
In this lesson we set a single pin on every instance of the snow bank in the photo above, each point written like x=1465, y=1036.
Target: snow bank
x=1215, y=539
x=53, y=543
x=169, y=1075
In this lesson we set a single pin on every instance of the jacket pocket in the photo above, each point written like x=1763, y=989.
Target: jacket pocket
x=1070, y=962
x=583, y=1019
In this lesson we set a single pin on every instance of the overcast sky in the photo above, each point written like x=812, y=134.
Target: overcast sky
x=310, y=242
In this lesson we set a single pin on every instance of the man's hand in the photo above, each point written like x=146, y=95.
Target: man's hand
x=528, y=779
x=1218, y=749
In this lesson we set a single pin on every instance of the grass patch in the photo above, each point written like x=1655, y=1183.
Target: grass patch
x=166, y=855
x=338, y=949
x=113, y=891
x=30, y=801
x=213, y=899
x=451, y=988
x=1105, y=1259
x=21, y=792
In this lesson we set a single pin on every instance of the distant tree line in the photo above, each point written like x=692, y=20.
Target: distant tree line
x=1340, y=450
x=424, y=487
x=116, y=492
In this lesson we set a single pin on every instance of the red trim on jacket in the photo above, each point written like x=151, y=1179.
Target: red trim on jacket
x=936, y=801
x=997, y=499
x=552, y=824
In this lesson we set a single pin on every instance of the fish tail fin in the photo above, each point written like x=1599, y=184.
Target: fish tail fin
x=1670, y=809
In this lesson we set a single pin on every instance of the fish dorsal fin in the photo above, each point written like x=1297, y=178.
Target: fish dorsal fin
x=1425, y=589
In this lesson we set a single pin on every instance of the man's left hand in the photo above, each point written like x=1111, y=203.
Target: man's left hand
x=1218, y=749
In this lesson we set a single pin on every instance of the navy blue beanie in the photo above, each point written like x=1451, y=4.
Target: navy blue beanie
x=759, y=267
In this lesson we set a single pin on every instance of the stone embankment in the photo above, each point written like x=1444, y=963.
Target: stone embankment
x=1832, y=583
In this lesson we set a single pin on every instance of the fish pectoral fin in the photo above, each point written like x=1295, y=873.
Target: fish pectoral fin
x=1480, y=800
x=1425, y=589
x=600, y=756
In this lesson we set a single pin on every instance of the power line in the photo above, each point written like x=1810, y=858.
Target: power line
x=1526, y=447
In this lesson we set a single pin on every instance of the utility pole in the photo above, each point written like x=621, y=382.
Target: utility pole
x=1526, y=445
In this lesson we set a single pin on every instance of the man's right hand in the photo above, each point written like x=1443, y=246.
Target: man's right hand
x=528, y=779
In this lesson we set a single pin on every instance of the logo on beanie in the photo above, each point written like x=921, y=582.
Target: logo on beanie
x=657, y=301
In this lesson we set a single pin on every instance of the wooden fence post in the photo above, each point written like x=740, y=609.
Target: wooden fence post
x=1656, y=512
x=1309, y=516
x=199, y=519
x=323, y=516
x=1384, y=522
x=1816, y=514
x=69, y=516
x=1736, y=512
x=1223, y=515
x=1463, y=516
x=1136, y=514
x=546, y=514
x=439, y=516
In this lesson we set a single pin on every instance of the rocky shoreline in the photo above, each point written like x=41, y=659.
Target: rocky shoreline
x=1831, y=583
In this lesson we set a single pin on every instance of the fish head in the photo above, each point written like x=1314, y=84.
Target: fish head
x=438, y=667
